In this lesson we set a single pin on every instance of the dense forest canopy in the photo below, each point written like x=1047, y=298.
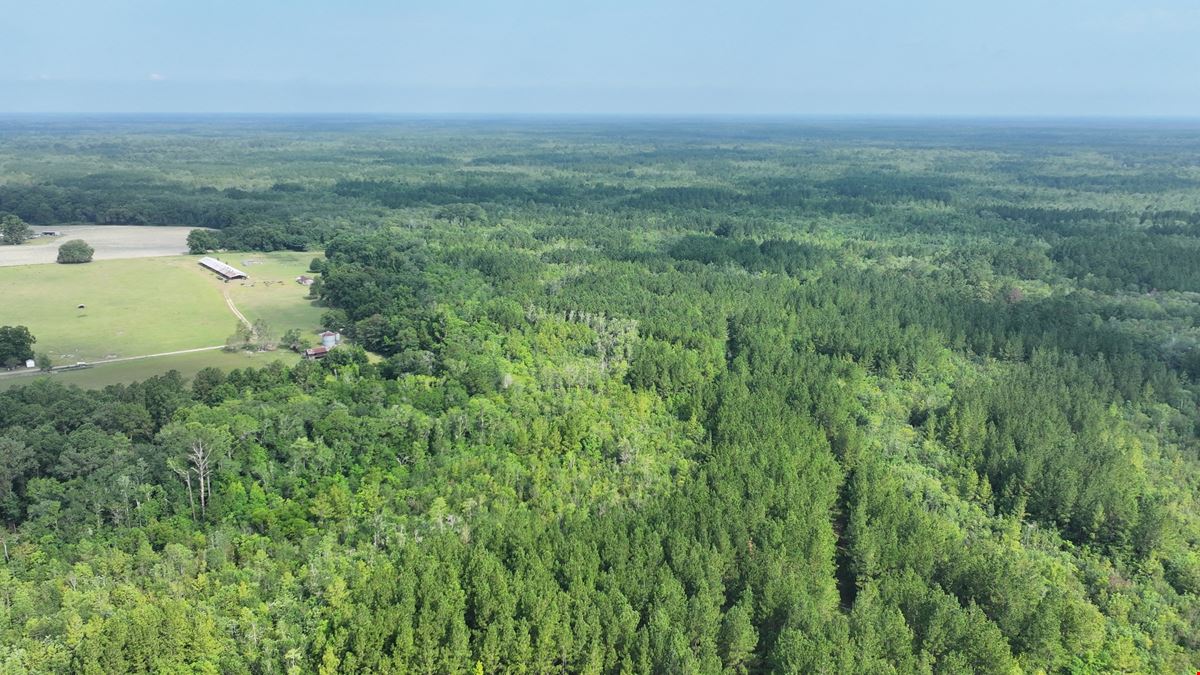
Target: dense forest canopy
x=633, y=396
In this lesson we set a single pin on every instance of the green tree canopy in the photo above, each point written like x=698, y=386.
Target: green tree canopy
x=203, y=241
x=75, y=251
x=13, y=230
x=16, y=345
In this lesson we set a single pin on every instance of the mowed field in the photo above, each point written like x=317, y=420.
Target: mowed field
x=135, y=371
x=111, y=242
x=146, y=306
x=271, y=293
x=131, y=307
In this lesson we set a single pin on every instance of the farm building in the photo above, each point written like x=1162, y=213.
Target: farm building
x=50, y=233
x=316, y=353
x=226, y=271
x=330, y=339
x=305, y=281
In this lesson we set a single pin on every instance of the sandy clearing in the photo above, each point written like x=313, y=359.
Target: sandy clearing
x=112, y=242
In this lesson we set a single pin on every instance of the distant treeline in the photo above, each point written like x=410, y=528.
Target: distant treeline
x=634, y=398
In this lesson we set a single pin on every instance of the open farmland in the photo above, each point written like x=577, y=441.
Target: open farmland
x=112, y=242
x=131, y=307
x=271, y=293
x=149, y=306
x=187, y=364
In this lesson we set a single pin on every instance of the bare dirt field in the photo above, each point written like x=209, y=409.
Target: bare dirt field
x=111, y=242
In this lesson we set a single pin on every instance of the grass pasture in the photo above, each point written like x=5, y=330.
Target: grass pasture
x=132, y=307
x=271, y=292
x=146, y=306
x=132, y=371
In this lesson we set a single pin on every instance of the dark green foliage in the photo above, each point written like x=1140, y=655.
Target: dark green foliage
x=203, y=241
x=16, y=346
x=13, y=230
x=75, y=251
x=699, y=397
x=461, y=213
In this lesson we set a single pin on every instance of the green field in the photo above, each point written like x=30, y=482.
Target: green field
x=147, y=306
x=132, y=371
x=272, y=293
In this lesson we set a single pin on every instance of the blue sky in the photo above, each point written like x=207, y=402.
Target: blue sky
x=864, y=57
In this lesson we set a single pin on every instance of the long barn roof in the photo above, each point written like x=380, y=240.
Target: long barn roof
x=227, y=271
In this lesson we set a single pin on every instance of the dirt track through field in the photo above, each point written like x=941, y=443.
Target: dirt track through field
x=228, y=301
x=236, y=312
x=150, y=356
x=15, y=373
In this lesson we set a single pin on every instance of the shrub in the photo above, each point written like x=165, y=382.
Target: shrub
x=75, y=251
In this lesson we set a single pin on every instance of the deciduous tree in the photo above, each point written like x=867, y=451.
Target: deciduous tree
x=75, y=251
x=13, y=230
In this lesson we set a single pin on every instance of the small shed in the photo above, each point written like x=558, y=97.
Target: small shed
x=316, y=353
x=30, y=363
x=330, y=339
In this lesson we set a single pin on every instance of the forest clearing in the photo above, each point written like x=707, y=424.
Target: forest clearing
x=114, y=309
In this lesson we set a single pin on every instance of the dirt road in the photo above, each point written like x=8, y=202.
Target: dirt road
x=34, y=371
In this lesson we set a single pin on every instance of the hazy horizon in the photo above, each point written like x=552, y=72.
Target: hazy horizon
x=874, y=59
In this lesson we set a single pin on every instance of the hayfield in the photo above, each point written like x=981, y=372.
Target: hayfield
x=132, y=371
x=271, y=292
x=131, y=307
x=150, y=306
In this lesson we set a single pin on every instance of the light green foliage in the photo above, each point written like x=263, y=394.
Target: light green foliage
x=295, y=340
x=713, y=397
